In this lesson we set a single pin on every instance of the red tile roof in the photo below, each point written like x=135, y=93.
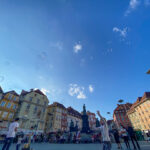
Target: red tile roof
x=139, y=101
x=126, y=106
x=90, y=113
x=56, y=104
x=73, y=112
x=37, y=91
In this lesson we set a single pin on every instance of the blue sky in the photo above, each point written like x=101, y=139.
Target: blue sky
x=78, y=52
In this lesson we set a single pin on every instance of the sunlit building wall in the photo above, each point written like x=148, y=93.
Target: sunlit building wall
x=139, y=114
x=32, y=111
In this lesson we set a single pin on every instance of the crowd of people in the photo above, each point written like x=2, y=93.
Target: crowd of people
x=104, y=136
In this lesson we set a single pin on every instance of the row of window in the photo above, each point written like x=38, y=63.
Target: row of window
x=35, y=108
x=5, y=114
x=37, y=101
x=9, y=105
x=12, y=97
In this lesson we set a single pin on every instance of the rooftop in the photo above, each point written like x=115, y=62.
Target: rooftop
x=74, y=112
x=139, y=101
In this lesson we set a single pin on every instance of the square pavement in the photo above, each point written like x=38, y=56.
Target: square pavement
x=49, y=146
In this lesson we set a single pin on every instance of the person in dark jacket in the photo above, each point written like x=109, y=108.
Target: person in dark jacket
x=116, y=137
x=133, y=137
x=124, y=135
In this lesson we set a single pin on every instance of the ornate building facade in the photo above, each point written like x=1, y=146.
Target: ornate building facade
x=32, y=110
x=92, y=120
x=56, y=119
x=120, y=115
x=139, y=113
x=9, y=102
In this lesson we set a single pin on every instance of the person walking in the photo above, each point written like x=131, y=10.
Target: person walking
x=11, y=134
x=19, y=141
x=116, y=137
x=78, y=136
x=133, y=137
x=104, y=132
x=125, y=137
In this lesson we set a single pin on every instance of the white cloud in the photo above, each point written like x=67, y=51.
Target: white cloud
x=147, y=2
x=45, y=91
x=123, y=32
x=133, y=4
x=77, y=48
x=91, y=89
x=75, y=90
x=81, y=95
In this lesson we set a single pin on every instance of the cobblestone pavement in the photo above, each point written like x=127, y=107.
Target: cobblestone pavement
x=48, y=146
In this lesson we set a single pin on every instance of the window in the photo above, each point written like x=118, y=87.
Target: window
x=4, y=114
x=9, y=105
x=43, y=110
x=44, y=103
x=9, y=97
x=30, y=98
x=35, y=109
x=28, y=106
x=3, y=103
x=15, y=98
x=14, y=106
x=38, y=101
x=10, y=115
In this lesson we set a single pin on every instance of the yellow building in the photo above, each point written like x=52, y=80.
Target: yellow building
x=56, y=119
x=139, y=113
x=8, y=107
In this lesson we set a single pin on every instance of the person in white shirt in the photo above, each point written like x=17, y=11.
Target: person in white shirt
x=11, y=134
x=104, y=132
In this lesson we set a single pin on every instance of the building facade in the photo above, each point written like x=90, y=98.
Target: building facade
x=92, y=120
x=56, y=119
x=120, y=115
x=8, y=107
x=139, y=113
x=32, y=111
x=1, y=93
x=75, y=116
